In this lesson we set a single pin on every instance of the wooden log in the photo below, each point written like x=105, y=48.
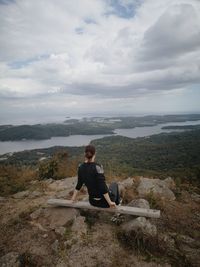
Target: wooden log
x=119, y=209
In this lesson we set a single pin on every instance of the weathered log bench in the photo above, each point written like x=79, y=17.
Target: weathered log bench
x=119, y=209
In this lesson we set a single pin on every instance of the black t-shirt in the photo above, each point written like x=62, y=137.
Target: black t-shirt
x=92, y=175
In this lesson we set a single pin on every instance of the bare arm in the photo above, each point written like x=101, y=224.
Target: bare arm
x=74, y=195
x=110, y=203
x=78, y=186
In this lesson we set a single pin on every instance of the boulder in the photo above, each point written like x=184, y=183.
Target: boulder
x=127, y=183
x=156, y=186
x=139, y=203
x=140, y=224
x=56, y=216
x=170, y=183
x=63, y=184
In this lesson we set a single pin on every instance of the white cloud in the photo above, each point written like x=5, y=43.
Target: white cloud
x=92, y=49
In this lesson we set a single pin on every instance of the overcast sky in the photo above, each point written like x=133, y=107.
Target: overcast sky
x=69, y=57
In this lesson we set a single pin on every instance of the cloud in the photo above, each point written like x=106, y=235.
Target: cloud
x=97, y=50
x=176, y=32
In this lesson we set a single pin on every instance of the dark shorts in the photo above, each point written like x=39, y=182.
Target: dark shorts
x=114, y=196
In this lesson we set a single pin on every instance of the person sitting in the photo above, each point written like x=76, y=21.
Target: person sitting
x=92, y=175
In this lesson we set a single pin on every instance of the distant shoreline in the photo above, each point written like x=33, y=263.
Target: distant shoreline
x=81, y=140
x=87, y=126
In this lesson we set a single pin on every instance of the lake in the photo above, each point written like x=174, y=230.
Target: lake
x=82, y=140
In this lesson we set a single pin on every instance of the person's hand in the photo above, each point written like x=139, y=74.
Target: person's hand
x=112, y=204
x=73, y=200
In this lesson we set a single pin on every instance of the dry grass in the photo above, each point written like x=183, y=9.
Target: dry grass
x=14, y=179
x=181, y=218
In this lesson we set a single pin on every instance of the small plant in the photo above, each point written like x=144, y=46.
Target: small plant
x=48, y=169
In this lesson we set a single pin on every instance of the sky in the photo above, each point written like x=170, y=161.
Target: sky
x=99, y=57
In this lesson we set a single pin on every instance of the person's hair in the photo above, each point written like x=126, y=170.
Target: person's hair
x=89, y=151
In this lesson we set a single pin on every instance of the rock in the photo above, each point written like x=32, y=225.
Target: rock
x=56, y=216
x=170, y=183
x=127, y=183
x=55, y=246
x=60, y=230
x=35, y=194
x=21, y=194
x=140, y=224
x=123, y=185
x=195, y=197
x=156, y=186
x=63, y=184
x=139, y=203
x=79, y=226
x=10, y=260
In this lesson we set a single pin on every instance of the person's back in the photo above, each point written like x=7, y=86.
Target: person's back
x=91, y=174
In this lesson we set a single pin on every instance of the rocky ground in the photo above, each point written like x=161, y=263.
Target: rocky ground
x=35, y=234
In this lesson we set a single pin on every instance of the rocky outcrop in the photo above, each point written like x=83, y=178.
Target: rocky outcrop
x=158, y=187
x=124, y=185
x=52, y=218
x=63, y=184
x=140, y=224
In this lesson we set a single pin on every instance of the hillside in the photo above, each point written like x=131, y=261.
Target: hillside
x=175, y=154
x=35, y=234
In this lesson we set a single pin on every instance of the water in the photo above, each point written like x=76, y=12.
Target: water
x=72, y=140
x=82, y=140
x=150, y=130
